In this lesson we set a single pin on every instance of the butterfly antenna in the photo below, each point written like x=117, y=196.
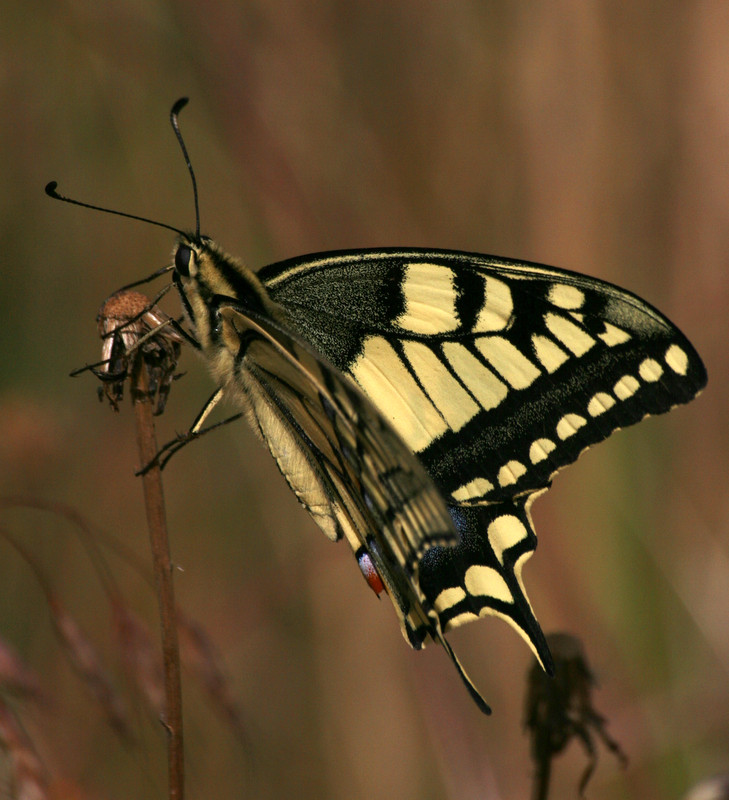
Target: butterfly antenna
x=174, y=119
x=51, y=192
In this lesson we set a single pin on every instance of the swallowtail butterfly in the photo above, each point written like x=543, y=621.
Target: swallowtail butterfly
x=418, y=401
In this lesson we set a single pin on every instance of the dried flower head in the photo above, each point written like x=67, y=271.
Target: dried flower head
x=133, y=327
x=560, y=709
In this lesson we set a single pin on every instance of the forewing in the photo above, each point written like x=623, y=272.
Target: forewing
x=497, y=373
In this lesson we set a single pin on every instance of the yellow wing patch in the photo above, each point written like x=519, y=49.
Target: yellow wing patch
x=429, y=294
x=384, y=378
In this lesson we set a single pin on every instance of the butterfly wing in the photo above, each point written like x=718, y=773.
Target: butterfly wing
x=497, y=374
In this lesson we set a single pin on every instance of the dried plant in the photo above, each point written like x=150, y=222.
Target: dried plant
x=77, y=646
x=560, y=709
x=131, y=326
x=16, y=677
x=29, y=777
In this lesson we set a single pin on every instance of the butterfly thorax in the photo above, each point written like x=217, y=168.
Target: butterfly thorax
x=208, y=280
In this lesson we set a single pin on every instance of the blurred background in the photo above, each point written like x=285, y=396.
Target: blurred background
x=590, y=136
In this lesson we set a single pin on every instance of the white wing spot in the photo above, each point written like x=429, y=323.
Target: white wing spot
x=650, y=370
x=677, y=359
x=540, y=449
x=550, y=355
x=448, y=598
x=497, y=308
x=461, y=619
x=508, y=361
x=488, y=390
x=504, y=532
x=613, y=335
x=472, y=490
x=386, y=381
x=510, y=473
x=565, y=296
x=429, y=294
x=599, y=404
x=482, y=581
x=569, y=425
x=626, y=387
x=449, y=397
x=571, y=336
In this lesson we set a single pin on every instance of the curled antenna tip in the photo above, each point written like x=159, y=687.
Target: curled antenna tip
x=179, y=105
x=51, y=191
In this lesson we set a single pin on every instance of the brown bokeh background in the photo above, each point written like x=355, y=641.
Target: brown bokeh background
x=592, y=136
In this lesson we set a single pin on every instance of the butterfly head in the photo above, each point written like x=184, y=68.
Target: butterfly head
x=207, y=278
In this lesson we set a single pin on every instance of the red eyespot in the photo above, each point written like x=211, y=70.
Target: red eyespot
x=372, y=576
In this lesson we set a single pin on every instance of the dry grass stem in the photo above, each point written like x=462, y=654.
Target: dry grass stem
x=78, y=647
x=15, y=675
x=157, y=525
x=201, y=657
x=30, y=781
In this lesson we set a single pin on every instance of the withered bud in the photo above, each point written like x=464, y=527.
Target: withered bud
x=133, y=327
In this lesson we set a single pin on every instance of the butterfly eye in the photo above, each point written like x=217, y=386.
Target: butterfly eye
x=183, y=256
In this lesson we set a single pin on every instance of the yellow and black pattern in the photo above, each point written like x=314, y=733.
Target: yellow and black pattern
x=502, y=371
x=417, y=402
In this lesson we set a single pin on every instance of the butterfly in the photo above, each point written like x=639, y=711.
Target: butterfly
x=418, y=401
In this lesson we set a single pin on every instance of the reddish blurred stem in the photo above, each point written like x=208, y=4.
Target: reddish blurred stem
x=540, y=787
x=154, y=502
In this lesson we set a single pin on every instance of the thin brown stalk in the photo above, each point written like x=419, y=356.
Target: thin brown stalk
x=154, y=503
x=540, y=786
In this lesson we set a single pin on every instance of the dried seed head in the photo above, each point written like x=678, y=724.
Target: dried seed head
x=560, y=709
x=133, y=327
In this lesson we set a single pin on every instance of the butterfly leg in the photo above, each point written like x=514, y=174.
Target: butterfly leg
x=195, y=432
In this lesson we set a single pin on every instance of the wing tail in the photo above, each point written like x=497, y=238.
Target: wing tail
x=481, y=575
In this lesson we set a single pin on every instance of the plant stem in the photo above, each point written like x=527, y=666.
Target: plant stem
x=540, y=787
x=157, y=524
